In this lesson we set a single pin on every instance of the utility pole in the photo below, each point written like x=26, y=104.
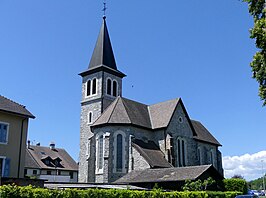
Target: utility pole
x=263, y=182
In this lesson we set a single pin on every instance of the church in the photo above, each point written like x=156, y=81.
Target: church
x=119, y=136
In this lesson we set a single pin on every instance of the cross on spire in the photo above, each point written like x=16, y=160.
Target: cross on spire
x=104, y=8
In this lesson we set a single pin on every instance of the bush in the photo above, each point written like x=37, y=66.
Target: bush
x=12, y=191
x=235, y=184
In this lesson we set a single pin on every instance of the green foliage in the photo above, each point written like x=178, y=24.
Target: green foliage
x=198, y=185
x=12, y=191
x=235, y=184
x=256, y=184
x=257, y=9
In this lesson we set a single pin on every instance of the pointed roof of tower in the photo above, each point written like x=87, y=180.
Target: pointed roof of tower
x=103, y=56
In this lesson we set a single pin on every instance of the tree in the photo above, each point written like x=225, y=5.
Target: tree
x=257, y=8
x=236, y=176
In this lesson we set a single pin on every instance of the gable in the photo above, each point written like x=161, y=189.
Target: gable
x=161, y=113
x=180, y=123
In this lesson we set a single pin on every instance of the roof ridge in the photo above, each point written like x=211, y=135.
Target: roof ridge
x=126, y=108
x=23, y=106
x=174, y=99
x=149, y=111
x=112, y=109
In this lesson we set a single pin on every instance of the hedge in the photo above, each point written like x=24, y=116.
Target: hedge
x=235, y=184
x=12, y=191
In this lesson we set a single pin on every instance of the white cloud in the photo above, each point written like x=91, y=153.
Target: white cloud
x=248, y=165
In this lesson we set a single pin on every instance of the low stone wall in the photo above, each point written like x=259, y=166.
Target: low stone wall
x=22, y=182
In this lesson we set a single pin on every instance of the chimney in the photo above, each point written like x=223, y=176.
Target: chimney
x=28, y=144
x=52, y=145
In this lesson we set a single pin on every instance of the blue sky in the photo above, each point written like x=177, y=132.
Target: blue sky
x=197, y=50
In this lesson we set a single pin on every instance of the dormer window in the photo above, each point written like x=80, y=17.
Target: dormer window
x=91, y=87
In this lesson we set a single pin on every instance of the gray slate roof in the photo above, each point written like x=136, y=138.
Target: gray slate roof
x=151, y=153
x=164, y=174
x=125, y=111
x=203, y=134
x=103, y=57
x=10, y=106
x=35, y=154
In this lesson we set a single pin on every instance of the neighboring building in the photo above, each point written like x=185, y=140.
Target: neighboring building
x=14, y=120
x=50, y=163
x=118, y=135
x=169, y=178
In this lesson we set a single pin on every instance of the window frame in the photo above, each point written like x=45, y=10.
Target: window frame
x=112, y=87
x=7, y=132
x=123, y=170
x=99, y=170
x=3, y=165
x=181, y=152
x=91, y=80
x=90, y=117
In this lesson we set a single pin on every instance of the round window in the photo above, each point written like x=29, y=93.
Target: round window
x=180, y=119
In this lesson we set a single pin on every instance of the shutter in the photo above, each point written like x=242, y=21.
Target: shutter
x=6, y=167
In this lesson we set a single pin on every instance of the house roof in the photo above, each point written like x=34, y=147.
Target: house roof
x=151, y=153
x=35, y=156
x=203, y=134
x=125, y=111
x=10, y=106
x=103, y=56
x=165, y=174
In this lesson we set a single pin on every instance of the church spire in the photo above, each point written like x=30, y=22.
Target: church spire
x=103, y=58
x=103, y=53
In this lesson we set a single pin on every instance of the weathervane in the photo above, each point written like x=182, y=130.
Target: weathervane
x=104, y=8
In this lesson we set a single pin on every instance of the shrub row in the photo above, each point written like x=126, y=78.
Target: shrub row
x=12, y=191
x=236, y=185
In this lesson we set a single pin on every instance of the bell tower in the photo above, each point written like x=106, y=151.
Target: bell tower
x=101, y=84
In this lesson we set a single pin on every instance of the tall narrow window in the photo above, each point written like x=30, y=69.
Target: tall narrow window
x=94, y=86
x=109, y=86
x=211, y=157
x=172, y=152
x=88, y=88
x=114, y=88
x=100, y=152
x=179, y=152
x=119, y=150
x=183, y=153
x=199, y=156
x=3, y=133
x=90, y=117
x=181, y=146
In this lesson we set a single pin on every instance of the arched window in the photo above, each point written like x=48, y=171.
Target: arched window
x=119, y=153
x=90, y=117
x=114, y=88
x=88, y=86
x=211, y=153
x=94, y=86
x=99, y=153
x=181, y=146
x=199, y=155
x=109, y=86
